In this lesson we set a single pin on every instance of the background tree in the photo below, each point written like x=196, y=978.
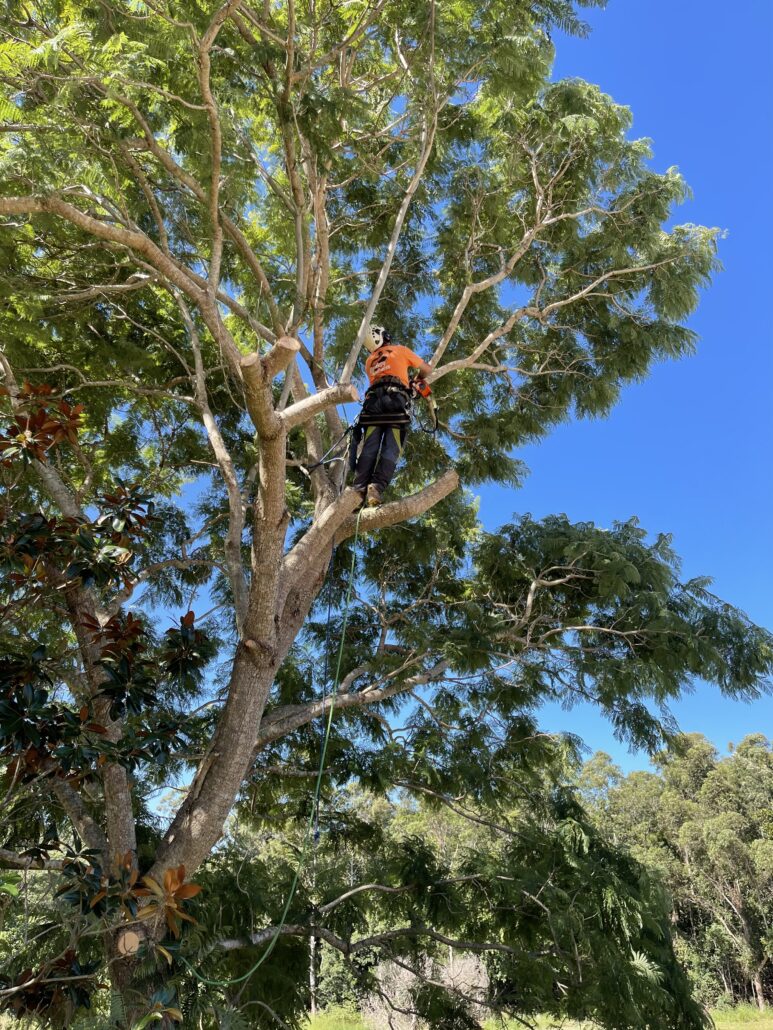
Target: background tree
x=703, y=825
x=203, y=211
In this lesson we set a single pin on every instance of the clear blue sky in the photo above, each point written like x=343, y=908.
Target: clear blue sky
x=691, y=447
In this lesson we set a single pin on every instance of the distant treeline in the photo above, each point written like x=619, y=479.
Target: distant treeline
x=704, y=825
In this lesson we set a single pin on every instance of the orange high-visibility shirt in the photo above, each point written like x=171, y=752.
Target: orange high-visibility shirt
x=392, y=360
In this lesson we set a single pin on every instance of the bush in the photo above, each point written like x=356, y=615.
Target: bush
x=337, y=1017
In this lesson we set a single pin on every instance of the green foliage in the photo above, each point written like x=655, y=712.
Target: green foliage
x=183, y=191
x=702, y=825
x=337, y=1018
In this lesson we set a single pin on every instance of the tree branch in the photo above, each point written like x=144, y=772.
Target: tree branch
x=79, y=816
x=10, y=860
x=103, y=230
x=428, y=140
x=353, y=947
x=307, y=408
x=233, y=544
x=216, y=141
x=288, y=718
x=398, y=511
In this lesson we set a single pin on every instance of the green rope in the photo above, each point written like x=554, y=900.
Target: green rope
x=317, y=790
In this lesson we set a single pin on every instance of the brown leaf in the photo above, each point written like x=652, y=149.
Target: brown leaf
x=186, y=891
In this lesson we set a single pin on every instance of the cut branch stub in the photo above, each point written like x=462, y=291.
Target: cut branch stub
x=278, y=358
x=307, y=408
x=258, y=373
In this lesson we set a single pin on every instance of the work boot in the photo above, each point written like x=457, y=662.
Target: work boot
x=373, y=496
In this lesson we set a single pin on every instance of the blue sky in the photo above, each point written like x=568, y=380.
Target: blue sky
x=690, y=447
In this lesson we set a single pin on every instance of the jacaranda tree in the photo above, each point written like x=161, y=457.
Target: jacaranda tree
x=203, y=207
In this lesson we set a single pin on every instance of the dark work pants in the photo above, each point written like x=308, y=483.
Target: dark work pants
x=375, y=467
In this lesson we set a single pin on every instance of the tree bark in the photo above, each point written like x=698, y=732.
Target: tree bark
x=759, y=990
x=199, y=821
x=313, y=975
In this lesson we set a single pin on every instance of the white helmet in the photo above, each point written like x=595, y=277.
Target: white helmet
x=376, y=336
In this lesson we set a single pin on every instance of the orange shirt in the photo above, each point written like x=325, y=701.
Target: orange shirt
x=392, y=360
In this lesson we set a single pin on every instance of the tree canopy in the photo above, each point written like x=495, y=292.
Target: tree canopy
x=703, y=824
x=203, y=210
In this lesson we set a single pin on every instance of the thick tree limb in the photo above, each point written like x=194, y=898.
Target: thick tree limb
x=10, y=860
x=353, y=947
x=278, y=358
x=79, y=816
x=130, y=238
x=258, y=373
x=318, y=538
x=284, y=720
x=306, y=409
x=398, y=511
x=140, y=244
x=199, y=821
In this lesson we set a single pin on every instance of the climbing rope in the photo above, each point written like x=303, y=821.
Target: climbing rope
x=325, y=459
x=310, y=824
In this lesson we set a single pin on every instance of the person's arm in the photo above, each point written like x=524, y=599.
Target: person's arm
x=421, y=365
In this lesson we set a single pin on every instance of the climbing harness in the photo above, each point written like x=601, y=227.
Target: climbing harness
x=388, y=402
x=309, y=833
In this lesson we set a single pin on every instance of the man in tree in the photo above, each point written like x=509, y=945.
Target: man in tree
x=383, y=422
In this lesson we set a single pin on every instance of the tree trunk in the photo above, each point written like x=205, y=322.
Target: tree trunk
x=313, y=975
x=124, y=947
x=122, y=965
x=759, y=991
x=199, y=821
x=725, y=983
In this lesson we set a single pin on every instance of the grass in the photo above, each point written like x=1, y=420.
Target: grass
x=743, y=1017
x=337, y=1018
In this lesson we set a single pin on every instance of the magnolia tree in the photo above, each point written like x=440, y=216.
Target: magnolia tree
x=203, y=209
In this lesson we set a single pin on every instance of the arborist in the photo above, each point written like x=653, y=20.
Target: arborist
x=379, y=436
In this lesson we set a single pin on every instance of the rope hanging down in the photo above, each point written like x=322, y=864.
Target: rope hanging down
x=309, y=832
